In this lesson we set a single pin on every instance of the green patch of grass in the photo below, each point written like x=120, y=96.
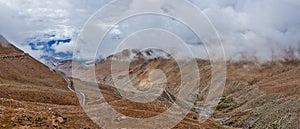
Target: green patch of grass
x=223, y=106
x=226, y=103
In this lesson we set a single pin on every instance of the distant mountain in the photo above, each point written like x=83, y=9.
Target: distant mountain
x=134, y=54
x=71, y=68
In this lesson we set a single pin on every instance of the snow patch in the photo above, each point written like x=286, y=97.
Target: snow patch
x=133, y=55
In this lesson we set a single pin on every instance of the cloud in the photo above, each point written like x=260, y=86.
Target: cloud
x=43, y=28
x=64, y=48
x=250, y=28
x=22, y=21
x=256, y=27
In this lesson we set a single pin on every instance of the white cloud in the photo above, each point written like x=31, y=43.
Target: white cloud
x=22, y=19
x=255, y=27
x=64, y=48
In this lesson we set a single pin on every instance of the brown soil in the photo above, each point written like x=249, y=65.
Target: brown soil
x=33, y=96
x=256, y=96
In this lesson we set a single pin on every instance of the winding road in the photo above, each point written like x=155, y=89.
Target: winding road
x=73, y=89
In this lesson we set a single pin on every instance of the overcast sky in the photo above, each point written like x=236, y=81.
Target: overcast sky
x=253, y=27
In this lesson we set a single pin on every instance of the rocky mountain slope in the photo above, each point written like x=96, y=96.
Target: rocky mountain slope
x=261, y=96
x=139, y=69
x=33, y=96
x=256, y=95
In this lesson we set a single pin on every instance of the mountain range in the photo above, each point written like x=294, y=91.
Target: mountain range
x=255, y=96
x=33, y=95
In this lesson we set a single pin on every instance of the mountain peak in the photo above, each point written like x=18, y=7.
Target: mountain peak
x=7, y=48
x=136, y=54
x=3, y=41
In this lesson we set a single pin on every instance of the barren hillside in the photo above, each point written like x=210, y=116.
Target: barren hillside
x=261, y=96
x=256, y=95
x=139, y=69
x=33, y=96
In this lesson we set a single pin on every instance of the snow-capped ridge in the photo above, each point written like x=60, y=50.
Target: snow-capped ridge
x=150, y=54
x=134, y=54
